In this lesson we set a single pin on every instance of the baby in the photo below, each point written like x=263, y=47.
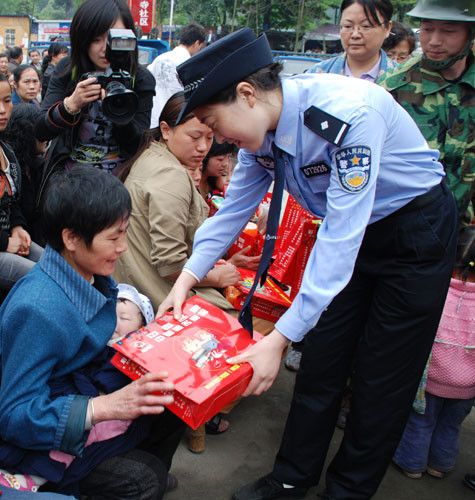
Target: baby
x=134, y=310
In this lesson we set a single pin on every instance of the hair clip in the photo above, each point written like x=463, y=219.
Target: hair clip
x=471, y=263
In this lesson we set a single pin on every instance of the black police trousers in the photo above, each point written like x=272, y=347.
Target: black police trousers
x=385, y=319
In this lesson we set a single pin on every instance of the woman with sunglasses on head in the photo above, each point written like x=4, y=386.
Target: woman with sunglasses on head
x=74, y=111
x=364, y=25
x=400, y=44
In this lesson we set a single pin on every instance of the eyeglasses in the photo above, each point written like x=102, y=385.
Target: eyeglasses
x=398, y=58
x=364, y=28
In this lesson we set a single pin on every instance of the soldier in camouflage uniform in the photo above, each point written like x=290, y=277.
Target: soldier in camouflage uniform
x=438, y=91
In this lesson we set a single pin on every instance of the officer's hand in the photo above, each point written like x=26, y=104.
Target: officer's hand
x=178, y=294
x=265, y=358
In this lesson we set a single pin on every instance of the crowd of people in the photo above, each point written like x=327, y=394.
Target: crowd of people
x=91, y=197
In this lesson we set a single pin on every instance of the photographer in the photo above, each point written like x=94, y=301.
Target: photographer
x=74, y=109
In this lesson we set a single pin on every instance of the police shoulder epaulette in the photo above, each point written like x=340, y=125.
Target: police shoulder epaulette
x=327, y=126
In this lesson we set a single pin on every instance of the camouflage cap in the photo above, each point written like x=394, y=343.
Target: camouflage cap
x=445, y=10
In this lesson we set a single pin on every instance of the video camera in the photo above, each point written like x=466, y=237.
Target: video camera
x=121, y=102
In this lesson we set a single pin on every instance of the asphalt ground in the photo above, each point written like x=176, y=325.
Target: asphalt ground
x=246, y=452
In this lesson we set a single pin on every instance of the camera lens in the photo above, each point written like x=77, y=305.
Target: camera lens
x=120, y=104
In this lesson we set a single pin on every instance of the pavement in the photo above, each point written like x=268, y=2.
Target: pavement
x=246, y=452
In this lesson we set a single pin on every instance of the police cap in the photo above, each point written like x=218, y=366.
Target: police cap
x=220, y=65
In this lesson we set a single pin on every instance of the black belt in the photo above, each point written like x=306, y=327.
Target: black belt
x=423, y=200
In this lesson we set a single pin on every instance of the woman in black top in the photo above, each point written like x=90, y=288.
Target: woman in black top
x=72, y=111
x=56, y=52
x=18, y=253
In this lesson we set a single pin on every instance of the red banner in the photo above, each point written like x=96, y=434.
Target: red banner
x=143, y=12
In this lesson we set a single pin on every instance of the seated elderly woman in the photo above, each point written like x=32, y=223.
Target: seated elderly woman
x=116, y=440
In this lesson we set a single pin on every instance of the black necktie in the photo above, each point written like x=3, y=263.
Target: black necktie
x=245, y=316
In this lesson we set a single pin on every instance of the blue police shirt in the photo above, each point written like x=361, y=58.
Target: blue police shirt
x=381, y=165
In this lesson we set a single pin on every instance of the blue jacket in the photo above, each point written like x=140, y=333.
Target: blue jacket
x=336, y=65
x=17, y=100
x=54, y=325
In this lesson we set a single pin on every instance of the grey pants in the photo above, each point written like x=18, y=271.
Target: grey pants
x=134, y=475
x=13, y=266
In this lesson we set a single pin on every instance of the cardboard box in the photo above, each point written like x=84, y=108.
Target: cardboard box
x=193, y=350
x=214, y=203
x=269, y=301
x=297, y=234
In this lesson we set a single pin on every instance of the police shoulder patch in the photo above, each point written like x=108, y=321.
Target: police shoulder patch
x=353, y=165
x=265, y=161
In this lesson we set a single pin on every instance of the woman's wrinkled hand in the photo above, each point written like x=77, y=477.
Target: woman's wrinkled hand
x=135, y=399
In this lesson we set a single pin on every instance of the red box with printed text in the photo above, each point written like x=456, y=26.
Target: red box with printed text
x=297, y=235
x=269, y=301
x=193, y=350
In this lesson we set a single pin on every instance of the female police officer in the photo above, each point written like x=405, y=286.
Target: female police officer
x=377, y=277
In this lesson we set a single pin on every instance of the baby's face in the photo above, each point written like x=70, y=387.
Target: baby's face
x=129, y=318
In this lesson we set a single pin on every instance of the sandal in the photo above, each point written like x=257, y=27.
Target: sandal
x=435, y=472
x=172, y=482
x=213, y=425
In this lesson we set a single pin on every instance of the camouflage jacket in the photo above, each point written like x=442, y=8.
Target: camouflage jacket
x=445, y=113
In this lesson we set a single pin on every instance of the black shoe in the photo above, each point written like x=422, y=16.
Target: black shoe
x=268, y=488
x=469, y=480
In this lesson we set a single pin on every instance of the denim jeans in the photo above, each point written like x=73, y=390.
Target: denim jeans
x=11, y=494
x=433, y=438
x=13, y=266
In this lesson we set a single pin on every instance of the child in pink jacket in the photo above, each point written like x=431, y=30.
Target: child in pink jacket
x=430, y=442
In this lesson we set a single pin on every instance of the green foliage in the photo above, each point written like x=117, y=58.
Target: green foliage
x=41, y=9
x=9, y=7
x=52, y=11
x=276, y=14
x=401, y=7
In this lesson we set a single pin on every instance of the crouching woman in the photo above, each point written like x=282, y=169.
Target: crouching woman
x=55, y=323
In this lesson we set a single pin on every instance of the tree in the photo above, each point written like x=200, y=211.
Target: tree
x=401, y=8
x=53, y=11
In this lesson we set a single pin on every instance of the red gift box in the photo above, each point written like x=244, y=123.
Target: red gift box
x=269, y=301
x=193, y=350
x=297, y=232
x=250, y=237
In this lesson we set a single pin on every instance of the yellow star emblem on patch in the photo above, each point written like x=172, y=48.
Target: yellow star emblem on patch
x=355, y=161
